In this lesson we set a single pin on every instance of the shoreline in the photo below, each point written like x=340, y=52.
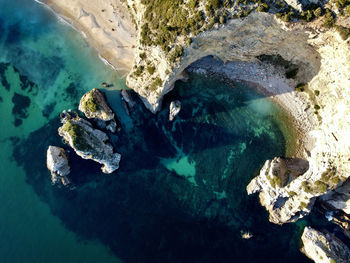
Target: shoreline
x=294, y=144
x=113, y=38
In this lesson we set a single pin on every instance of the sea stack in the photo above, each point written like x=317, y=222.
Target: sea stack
x=57, y=163
x=94, y=106
x=88, y=143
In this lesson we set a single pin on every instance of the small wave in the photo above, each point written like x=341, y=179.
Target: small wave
x=106, y=62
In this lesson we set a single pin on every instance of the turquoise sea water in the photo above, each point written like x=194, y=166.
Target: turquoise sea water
x=179, y=195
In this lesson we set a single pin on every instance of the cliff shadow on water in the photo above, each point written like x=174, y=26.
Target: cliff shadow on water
x=179, y=195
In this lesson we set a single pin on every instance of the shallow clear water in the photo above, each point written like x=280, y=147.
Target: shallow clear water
x=179, y=195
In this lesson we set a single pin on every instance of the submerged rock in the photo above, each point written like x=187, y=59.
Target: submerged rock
x=94, y=106
x=246, y=234
x=89, y=143
x=57, y=163
x=174, y=109
x=324, y=247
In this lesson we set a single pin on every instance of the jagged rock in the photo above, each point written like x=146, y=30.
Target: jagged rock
x=89, y=143
x=94, y=106
x=127, y=97
x=279, y=184
x=324, y=247
x=57, y=163
x=339, y=198
x=127, y=100
x=174, y=109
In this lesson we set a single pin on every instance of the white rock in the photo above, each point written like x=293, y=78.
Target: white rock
x=324, y=247
x=57, y=163
x=174, y=109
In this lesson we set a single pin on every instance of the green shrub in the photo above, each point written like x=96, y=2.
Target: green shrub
x=90, y=104
x=156, y=83
x=317, y=107
x=301, y=87
x=321, y=187
x=318, y=12
x=342, y=3
x=317, y=92
x=347, y=10
x=77, y=135
x=151, y=69
x=328, y=19
x=292, y=193
x=263, y=8
x=143, y=55
x=344, y=32
x=335, y=180
x=306, y=186
x=139, y=71
x=302, y=205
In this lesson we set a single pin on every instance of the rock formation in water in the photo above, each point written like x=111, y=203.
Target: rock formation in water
x=281, y=187
x=174, y=109
x=94, y=105
x=128, y=101
x=89, y=143
x=314, y=56
x=323, y=247
x=57, y=163
x=339, y=198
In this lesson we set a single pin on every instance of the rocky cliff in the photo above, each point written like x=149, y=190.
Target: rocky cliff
x=324, y=247
x=314, y=90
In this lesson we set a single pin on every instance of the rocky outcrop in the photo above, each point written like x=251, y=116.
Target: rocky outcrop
x=57, y=163
x=280, y=184
x=324, y=247
x=94, y=105
x=339, y=198
x=88, y=143
x=174, y=109
x=127, y=100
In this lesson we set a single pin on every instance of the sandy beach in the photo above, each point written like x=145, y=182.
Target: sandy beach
x=109, y=30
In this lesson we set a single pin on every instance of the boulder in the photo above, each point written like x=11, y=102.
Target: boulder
x=174, y=109
x=324, y=247
x=88, y=143
x=57, y=163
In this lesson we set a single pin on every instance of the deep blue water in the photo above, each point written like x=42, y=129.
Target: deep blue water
x=179, y=195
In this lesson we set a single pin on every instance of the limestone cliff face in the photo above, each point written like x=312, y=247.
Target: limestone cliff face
x=324, y=247
x=321, y=112
x=240, y=39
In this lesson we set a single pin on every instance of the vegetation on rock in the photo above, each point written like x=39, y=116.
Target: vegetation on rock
x=90, y=104
x=77, y=135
